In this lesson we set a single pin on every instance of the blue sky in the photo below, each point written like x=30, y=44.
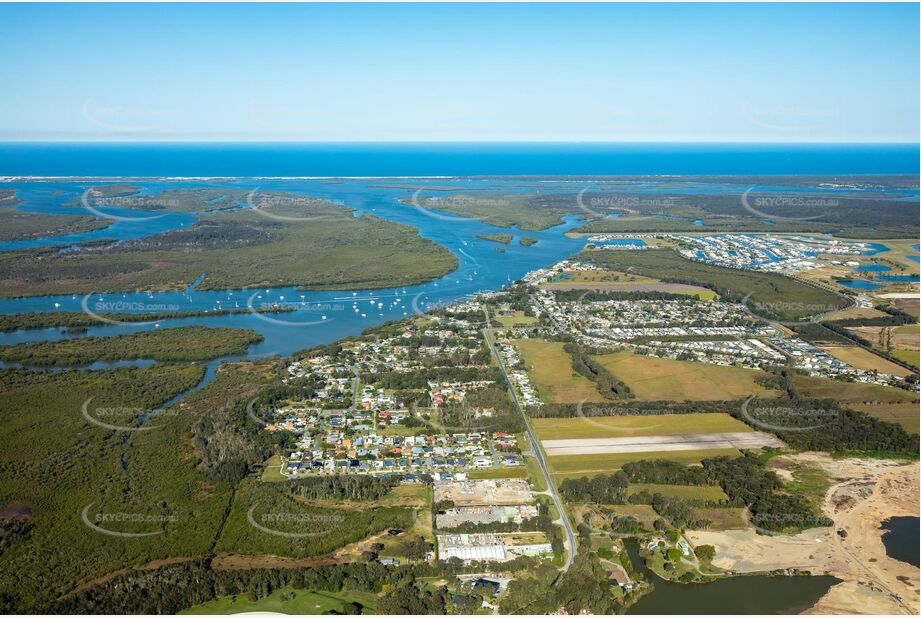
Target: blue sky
x=420, y=72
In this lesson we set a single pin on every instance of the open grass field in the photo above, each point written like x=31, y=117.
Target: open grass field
x=908, y=356
x=855, y=313
x=550, y=368
x=904, y=414
x=271, y=472
x=652, y=379
x=864, y=359
x=727, y=518
x=886, y=403
x=851, y=392
x=576, y=466
x=713, y=493
x=643, y=513
x=627, y=426
x=519, y=319
x=285, y=601
x=520, y=472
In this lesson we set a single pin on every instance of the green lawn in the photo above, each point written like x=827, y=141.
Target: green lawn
x=285, y=601
x=712, y=493
x=520, y=472
x=519, y=319
x=551, y=372
x=654, y=379
x=631, y=426
x=575, y=466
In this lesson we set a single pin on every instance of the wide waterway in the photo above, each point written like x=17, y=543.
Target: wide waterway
x=320, y=317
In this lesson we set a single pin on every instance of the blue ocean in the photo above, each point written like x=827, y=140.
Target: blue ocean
x=449, y=159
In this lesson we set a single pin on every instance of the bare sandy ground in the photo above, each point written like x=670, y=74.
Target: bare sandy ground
x=866, y=493
x=678, y=442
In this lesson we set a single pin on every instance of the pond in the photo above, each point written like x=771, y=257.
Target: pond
x=903, y=538
x=756, y=594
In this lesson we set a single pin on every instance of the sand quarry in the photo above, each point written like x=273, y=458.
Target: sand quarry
x=865, y=493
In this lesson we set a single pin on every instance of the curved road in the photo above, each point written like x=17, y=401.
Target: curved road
x=536, y=449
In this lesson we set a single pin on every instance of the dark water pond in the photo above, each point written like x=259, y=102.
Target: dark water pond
x=903, y=538
x=734, y=595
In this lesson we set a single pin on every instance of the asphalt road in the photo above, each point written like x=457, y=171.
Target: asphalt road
x=538, y=452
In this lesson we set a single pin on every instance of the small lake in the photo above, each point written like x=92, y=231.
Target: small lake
x=903, y=539
x=872, y=268
x=859, y=284
x=756, y=594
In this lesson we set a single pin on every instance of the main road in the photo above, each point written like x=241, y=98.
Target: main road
x=536, y=449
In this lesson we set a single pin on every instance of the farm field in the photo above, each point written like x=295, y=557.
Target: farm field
x=904, y=414
x=864, y=359
x=851, y=392
x=722, y=518
x=576, y=466
x=550, y=369
x=285, y=601
x=883, y=402
x=653, y=379
x=626, y=426
x=911, y=357
x=713, y=493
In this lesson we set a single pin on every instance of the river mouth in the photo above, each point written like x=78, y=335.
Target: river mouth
x=902, y=538
x=752, y=594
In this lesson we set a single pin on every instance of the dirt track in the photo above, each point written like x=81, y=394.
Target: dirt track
x=866, y=493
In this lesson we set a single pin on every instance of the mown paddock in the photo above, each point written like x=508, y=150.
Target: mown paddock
x=864, y=359
x=643, y=513
x=656, y=379
x=577, y=466
x=710, y=493
x=519, y=319
x=627, y=426
x=722, y=518
x=550, y=369
x=285, y=601
x=883, y=402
